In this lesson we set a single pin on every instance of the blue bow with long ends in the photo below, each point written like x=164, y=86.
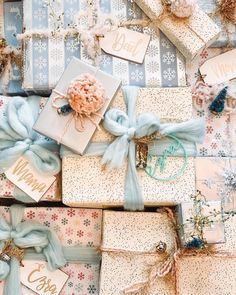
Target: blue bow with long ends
x=127, y=128
x=17, y=138
x=22, y=235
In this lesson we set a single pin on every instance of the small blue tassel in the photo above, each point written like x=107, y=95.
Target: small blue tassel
x=195, y=243
x=64, y=110
x=218, y=104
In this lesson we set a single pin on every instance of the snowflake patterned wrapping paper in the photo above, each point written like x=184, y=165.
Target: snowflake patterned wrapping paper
x=74, y=227
x=85, y=183
x=7, y=188
x=212, y=181
x=205, y=275
x=188, y=34
x=11, y=23
x=127, y=233
x=46, y=59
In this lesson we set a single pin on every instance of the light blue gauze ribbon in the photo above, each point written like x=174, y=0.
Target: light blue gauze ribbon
x=127, y=128
x=39, y=243
x=17, y=138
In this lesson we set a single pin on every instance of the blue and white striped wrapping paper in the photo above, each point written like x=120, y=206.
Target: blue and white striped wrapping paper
x=11, y=24
x=46, y=58
x=209, y=6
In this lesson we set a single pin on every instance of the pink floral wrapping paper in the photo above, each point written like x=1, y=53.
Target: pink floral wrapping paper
x=74, y=227
x=7, y=188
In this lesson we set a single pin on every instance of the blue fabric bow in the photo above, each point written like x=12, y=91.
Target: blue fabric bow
x=127, y=128
x=26, y=234
x=17, y=138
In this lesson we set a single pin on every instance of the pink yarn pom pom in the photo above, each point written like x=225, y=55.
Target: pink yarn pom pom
x=182, y=8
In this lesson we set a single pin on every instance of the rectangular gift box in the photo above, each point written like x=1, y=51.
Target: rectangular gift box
x=212, y=234
x=204, y=275
x=7, y=188
x=74, y=227
x=129, y=251
x=212, y=182
x=86, y=183
x=11, y=24
x=189, y=34
x=62, y=127
x=46, y=58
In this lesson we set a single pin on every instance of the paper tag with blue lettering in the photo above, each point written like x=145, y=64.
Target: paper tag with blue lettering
x=126, y=44
x=24, y=176
x=36, y=276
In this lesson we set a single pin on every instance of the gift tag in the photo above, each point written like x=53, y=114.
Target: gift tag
x=126, y=44
x=219, y=69
x=24, y=176
x=36, y=276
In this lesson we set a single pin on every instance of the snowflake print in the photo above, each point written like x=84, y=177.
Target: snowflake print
x=152, y=50
x=7, y=194
x=47, y=223
x=82, y=212
x=118, y=4
x=95, y=215
x=87, y=222
x=61, y=210
x=165, y=43
x=153, y=67
x=69, y=13
x=30, y=214
x=203, y=152
x=204, y=54
x=69, y=231
x=106, y=60
x=97, y=227
x=168, y=58
x=40, y=62
x=69, y=242
x=64, y=221
x=91, y=277
x=80, y=233
x=70, y=284
x=9, y=184
x=72, y=45
x=81, y=276
x=90, y=244
x=40, y=46
x=169, y=74
x=154, y=82
x=79, y=287
x=39, y=14
x=137, y=75
x=214, y=145
x=56, y=228
x=56, y=54
x=120, y=68
x=88, y=266
x=200, y=113
x=70, y=273
x=71, y=212
x=221, y=153
x=209, y=129
x=41, y=79
x=3, y=176
x=54, y=217
x=92, y=289
x=218, y=136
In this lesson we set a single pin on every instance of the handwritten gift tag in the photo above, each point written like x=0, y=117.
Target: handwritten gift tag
x=126, y=44
x=36, y=276
x=24, y=176
x=219, y=69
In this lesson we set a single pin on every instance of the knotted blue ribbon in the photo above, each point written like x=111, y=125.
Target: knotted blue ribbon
x=17, y=138
x=127, y=128
x=40, y=243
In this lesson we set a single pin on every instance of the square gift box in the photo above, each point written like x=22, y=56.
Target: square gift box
x=214, y=182
x=129, y=252
x=190, y=34
x=74, y=227
x=7, y=188
x=46, y=58
x=63, y=127
x=204, y=275
x=86, y=183
x=11, y=24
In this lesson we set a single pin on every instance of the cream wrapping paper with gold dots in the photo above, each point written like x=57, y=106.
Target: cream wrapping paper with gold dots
x=87, y=184
x=134, y=232
x=190, y=35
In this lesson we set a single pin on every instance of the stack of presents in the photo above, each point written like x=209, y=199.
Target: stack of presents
x=118, y=147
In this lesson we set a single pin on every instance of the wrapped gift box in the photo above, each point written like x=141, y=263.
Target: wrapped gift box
x=74, y=227
x=11, y=24
x=211, y=181
x=46, y=59
x=206, y=275
x=7, y=188
x=83, y=175
x=129, y=245
x=188, y=34
x=223, y=40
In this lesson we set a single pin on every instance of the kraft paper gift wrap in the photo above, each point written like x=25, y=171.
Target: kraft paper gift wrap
x=46, y=59
x=128, y=237
x=212, y=182
x=62, y=127
x=74, y=227
x=85, y=183
x=190, y=35
x=204, y=275
x=7, y=188
x=11, y=24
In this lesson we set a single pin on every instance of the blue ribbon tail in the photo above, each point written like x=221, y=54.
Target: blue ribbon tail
x=12, y=284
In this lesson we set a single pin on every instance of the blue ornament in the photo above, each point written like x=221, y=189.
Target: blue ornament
x=195, y=242
x=218, y=104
